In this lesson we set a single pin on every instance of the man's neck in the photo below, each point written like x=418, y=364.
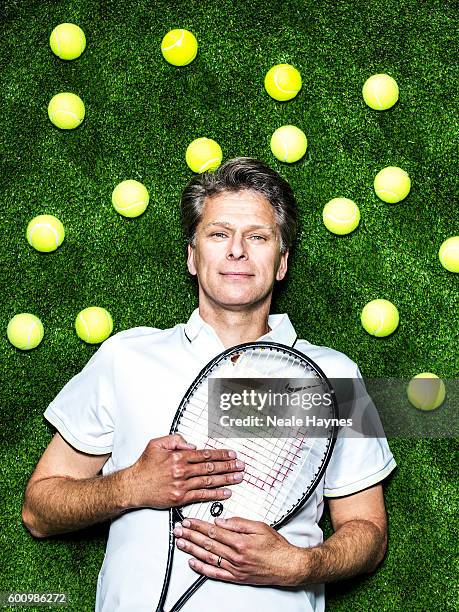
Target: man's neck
x=236, y=327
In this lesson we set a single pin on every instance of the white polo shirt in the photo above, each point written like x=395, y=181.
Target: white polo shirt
x=128, y=393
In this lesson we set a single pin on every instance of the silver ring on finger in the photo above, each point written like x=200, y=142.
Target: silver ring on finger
x=219, y=561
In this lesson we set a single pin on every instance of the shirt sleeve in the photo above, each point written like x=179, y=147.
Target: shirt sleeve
x=84, y=410
x=358, y=460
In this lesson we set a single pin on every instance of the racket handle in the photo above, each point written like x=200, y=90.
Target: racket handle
x=185, y=597
x=170, y=558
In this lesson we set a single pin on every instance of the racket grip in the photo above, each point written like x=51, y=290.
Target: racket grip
x=170, y=559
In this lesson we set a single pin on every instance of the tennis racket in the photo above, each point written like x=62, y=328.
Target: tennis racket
x=280, y=473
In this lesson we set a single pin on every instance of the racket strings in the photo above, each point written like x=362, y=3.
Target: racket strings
x=267, y=504
x=271, y=459
x=262, y=481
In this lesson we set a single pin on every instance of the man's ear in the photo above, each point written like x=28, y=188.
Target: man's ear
x=282, y=269
x=190, y=261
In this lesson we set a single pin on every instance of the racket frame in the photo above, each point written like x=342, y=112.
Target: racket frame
x=174, y=513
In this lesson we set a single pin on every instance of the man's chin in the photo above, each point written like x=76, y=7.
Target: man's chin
x=239, y=301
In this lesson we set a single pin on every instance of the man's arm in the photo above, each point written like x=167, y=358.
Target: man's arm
x=254, y=553
x=62, y=474
x=358, y=544
x=66, y=492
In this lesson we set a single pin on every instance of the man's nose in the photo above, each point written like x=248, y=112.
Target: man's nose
x=236, y=248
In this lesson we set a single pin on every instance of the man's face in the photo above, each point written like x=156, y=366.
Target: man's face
x=237, y=252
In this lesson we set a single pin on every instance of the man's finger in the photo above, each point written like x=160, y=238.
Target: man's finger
x=205, y=495
x=206, y=561
x=181, y=442
x=211, y=571
x=208, y=482
x=241, y=525
x=174, y=442
x=210, y=468
x=208, y=454
x=210, y=538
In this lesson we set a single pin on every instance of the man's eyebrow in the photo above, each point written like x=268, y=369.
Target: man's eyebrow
x=249, y=227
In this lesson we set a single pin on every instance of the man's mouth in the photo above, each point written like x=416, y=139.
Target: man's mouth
x=232, y=274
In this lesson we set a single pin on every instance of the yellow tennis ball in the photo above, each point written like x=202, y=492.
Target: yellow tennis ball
x=449, y=254
x=288, y=143
x=130, y=198
x=341, y=216
x=426, y=391
x=380, y=91
x=66, y=110
x=179, y=47
x=45, y=233
x=94, y=324
x=379, y=318
x=203, y=154
x=25, y=331
x=392, y=184
x=67, y=41
x=283, y=82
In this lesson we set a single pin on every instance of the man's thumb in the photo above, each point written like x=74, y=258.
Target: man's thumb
x=177, y=441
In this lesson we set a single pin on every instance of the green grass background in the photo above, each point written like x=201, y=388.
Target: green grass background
x=141, y=113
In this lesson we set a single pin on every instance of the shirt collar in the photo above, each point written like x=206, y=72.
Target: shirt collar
x=282, y=331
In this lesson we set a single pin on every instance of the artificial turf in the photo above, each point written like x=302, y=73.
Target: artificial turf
x=141, y=113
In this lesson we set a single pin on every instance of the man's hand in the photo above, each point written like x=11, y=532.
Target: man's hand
x=254, y=553
x=66, y=491
x=171, y=472
x=251, y=551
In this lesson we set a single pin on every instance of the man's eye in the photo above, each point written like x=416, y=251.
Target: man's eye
x=219, y=234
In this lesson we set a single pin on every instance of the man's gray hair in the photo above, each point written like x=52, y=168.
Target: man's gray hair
x=240, y=174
